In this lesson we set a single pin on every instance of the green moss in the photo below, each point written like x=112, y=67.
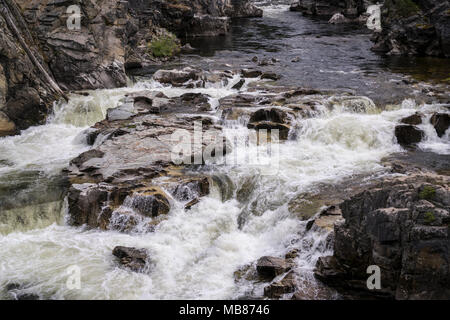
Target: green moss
x=402, y=8
x=429, y=217
x=164, y=47
x=427, y=193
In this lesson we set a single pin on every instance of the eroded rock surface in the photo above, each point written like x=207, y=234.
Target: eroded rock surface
x=414, y=27
x=400, y=226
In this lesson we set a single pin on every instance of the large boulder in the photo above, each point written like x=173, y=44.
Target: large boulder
x=440, y=122
x=271, y=267
x=408, y=135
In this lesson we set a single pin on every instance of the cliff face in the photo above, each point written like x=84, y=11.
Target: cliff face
x=25, y=96
x=415, y=27
x=113, y=35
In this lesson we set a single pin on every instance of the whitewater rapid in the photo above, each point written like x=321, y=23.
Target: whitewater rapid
x=194, y=254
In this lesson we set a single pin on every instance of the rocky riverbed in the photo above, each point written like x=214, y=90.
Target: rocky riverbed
x=215, y=178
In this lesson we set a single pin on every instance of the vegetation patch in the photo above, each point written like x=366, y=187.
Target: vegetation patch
x=165, y=46
x=427, y=193
x=429, y=217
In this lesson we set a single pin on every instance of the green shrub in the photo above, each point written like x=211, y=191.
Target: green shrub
x=164, y=47
x=429, y=217
x=427, y=193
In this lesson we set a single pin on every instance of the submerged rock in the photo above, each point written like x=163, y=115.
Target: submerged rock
x=134, y=259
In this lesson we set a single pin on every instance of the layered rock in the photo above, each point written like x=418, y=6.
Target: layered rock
x=140, y=162
x=401, y=226
x=414, y=27
x=112, y=36
x=327, y=8
x=25, y=95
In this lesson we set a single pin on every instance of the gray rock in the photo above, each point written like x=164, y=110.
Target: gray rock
x=134, y=259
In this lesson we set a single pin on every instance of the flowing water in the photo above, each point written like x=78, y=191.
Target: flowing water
x=196, y=253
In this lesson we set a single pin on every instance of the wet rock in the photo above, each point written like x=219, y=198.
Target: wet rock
x=248, y=73
x=283, y=129
x=349, y=8
x=191, y=203
x=440, y=122
x=328, y=217
x=273, y=115
x=124, y=111
x=25, y=108
x=193, y=188
x=414, y=119
x=149, y=203
x=270, y=76
x=239, y=84
x=133, y=62
x=134, y=259
x=271, y=267
x=408, y=135
x=270, y=119
x=401, y=225
x=209, y=26
x=16, y=292
x=118, y=179
x=176, y=77
x=291, y=255
x=7, y=127
x=277, y=289
x=267, y=62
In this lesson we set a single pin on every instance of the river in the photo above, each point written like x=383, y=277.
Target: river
x=195, y=254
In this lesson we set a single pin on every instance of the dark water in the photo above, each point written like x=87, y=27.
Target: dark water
x=330, y=56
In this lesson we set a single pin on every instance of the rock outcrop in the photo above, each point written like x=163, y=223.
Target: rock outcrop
x=414, y=27
x=327, y=8
x=112, y=36
x=140, y=161
x=402, y=227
